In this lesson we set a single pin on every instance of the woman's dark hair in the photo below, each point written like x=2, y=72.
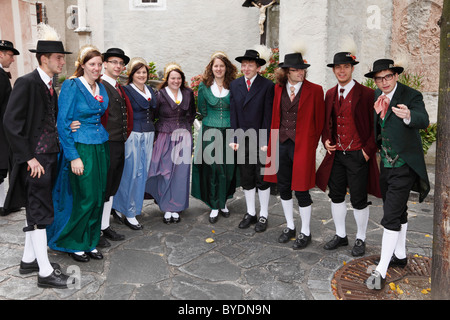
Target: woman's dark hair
x=166, y=80
x=135, y=68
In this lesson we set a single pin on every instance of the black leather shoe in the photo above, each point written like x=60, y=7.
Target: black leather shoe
x=336, y=242
x=375, y=281
x=261, y=225
x=301, y=242
x=29, y=267
x=396, y=262
x=103, y=242
x=112, y=235
x=116, y=217
x=247, y=221
x=287, y=235
x=213, y=219
x=224, y=214
x=95, y=255
x=56, y=279
x=80, y=257
x=359, y=249
x=132, y=226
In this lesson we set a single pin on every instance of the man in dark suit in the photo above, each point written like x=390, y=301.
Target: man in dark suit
x=400, y=113
x=7, y=53
x=30, y=127
x=350, y=161
x=251, y=110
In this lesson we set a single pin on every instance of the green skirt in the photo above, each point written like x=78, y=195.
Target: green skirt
x=81, y=225
x=213, y=182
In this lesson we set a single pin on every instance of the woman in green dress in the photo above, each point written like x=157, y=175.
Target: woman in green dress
x=214, y=178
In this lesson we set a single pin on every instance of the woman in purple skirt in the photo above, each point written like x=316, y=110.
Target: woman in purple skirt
x=170, y=168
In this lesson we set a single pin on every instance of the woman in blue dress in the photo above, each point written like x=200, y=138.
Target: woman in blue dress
x=170, y=168
x=129, y=198
x=83, y=163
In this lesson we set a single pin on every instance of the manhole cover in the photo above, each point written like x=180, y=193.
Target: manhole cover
x=349, y=281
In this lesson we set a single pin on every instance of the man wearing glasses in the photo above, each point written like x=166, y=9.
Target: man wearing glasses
x=7, y=53
x=399, y=114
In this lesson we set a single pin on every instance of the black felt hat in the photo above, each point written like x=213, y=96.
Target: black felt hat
x=294, y=60
x=383, y=64
x=6, y=45
x=49, y=46
x=116, y=52
x=343, y=58
x=252, y=55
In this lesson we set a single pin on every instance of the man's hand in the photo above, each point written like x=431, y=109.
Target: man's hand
x=402, y=112
x=365, y=155
x=330, y=148
x=75, y=125
x=35, y=167
x=77, y=166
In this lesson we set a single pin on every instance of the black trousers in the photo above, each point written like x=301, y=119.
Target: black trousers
x=284, y=175
x=395, y=186
x=39, y=211
x=349, y=170
x=117, y=162
x=251, y=173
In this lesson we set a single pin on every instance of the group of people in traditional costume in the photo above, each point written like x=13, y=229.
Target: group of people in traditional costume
x=102, y=147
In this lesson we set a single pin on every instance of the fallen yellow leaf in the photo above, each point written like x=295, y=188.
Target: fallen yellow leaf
x=348, y=292
x=345, y=263
x=392, y=286
x=210, y=240
x=213, y=231
x=424, y=291
x=427, y=235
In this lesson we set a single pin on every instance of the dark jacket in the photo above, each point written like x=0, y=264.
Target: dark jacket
x=23, y=123
x=5, y=91
x=251, y=109
x=405, y=139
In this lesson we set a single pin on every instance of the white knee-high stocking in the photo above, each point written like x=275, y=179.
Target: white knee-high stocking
x=250, y=201
x=388, y=244
x=400, y=248
x=339, y=213
x=288, y=209
x=305, y=215
x=39, y=241
x=264, y=197
x=361, y=218
x=106, y=215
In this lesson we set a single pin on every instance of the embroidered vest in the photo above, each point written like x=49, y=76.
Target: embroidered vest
x=288, y=116
x=48, y=141
x=347, y=138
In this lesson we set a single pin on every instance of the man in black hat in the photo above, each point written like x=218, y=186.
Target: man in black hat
x=400, y=113
x=118, y=121
x=350, y=161
x=251, y=98
x=298, y=112
x=30, y=127
x=7, y=53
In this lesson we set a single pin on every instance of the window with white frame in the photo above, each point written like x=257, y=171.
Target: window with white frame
x=147, y=4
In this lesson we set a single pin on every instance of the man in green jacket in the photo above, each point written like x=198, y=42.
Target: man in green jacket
x=399, y=114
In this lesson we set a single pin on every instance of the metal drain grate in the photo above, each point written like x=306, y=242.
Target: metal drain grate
x=349, y=281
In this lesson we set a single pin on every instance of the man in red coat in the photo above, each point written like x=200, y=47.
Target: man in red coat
x=297, y=122
x=350, y=159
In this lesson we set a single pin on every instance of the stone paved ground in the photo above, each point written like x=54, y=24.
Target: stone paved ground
x=175, y=262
